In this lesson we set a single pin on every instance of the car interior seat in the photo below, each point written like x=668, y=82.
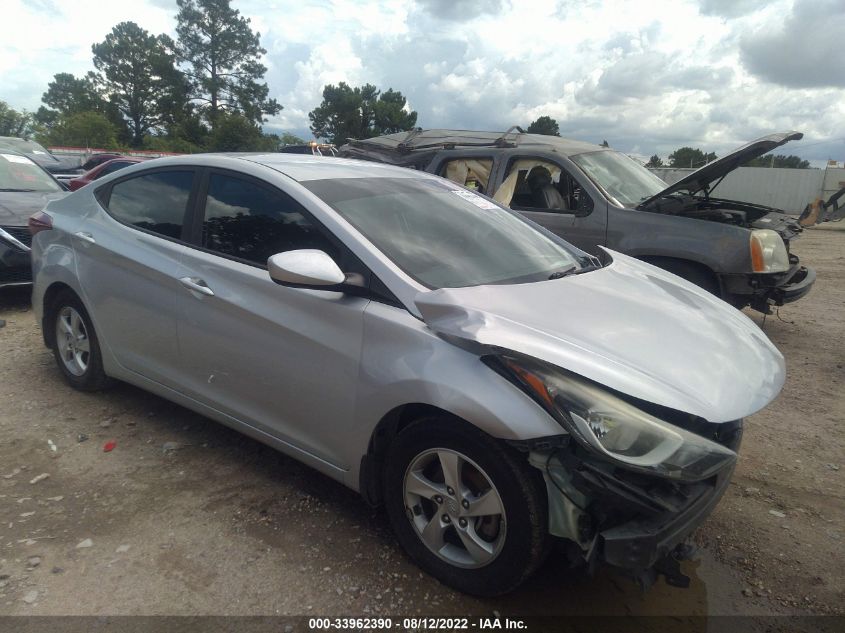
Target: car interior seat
x=544, y=194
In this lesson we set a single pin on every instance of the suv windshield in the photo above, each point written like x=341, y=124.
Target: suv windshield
x=444, y=236
x=18, y=173
x=620, y=176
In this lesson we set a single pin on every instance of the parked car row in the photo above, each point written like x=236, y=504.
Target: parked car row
x=495, y=387
x=26, y=185
x=596, y=197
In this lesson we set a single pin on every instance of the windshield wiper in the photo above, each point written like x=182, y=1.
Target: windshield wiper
x=574, y=271
x=16, y=190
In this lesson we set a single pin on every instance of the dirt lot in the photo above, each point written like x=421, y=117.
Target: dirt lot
x=187, y=517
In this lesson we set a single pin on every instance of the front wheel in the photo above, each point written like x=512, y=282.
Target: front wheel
x=468, y=510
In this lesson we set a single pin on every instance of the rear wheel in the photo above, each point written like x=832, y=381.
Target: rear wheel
x=75, y=346
x=468, y=510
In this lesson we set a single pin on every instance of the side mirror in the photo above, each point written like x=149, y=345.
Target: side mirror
x=306, y=267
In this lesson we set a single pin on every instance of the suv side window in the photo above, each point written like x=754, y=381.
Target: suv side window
x=155, y=202
x=539, y=185
x=472, y=173
x=252, y=222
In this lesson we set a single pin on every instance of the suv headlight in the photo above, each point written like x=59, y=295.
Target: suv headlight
x=768, y=252
x=605, y=424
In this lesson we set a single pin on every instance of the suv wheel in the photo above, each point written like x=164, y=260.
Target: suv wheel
x=76, y=348
x=468, y=510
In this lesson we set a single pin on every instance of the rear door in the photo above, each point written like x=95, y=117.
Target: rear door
x=283, y=360
x=127, y=257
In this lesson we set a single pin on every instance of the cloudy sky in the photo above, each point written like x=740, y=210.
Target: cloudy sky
x=647, y=76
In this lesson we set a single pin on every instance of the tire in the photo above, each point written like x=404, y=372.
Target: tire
x=700, y=276
x=505, y=548
x=75, y=345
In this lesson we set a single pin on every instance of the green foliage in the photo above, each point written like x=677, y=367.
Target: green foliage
x=605, y=143
x=83, y=129
x=544, y=125
x=14, y=123
x=221, y=56
x=68, y=94
x=235, y=132
x=780, y=160
x=290, y=139
x=654, y=161
x=690, y=157
x=137, y=74
x=360, y=112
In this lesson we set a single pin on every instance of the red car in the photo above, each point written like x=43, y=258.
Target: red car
x=101, y=170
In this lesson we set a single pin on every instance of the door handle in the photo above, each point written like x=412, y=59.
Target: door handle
x=197, y=285
x=85, y=237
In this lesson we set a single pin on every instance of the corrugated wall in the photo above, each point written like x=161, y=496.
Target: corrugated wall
x=787, y=189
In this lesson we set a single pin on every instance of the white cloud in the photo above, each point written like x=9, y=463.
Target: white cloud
x=646, y=76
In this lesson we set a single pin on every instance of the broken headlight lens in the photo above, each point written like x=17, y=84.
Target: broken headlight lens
x=610, y=426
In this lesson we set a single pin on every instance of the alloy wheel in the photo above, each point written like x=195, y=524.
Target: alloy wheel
x=72, y=340
x=454, y=508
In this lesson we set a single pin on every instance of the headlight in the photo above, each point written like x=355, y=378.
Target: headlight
x=606, y=424
x=768, y=252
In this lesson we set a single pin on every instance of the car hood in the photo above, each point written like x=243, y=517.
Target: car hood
x=704, y=176
x=629, y=326
x=17, y=206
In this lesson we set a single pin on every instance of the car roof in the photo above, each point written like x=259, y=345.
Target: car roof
x=300, y=167
x=417, y=140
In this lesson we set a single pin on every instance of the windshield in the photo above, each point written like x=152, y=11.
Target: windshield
x=444, y=236
x=621, y=177
x=25, y=147
x=18, y=173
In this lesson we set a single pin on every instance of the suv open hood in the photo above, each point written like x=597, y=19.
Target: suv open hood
x=629, y=326
x=702, y=178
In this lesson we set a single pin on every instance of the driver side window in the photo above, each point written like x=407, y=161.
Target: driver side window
x=539, y=185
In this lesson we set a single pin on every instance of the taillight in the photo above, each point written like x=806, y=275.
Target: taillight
x=40, y=221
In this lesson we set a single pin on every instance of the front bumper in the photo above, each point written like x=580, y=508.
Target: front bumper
x=763, y=291
x=15, y=266
x=624, y=519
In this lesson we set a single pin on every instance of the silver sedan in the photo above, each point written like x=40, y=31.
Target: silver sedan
x=492, y=386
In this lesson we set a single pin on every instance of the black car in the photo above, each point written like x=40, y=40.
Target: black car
x=40, y=155
x=24, y=189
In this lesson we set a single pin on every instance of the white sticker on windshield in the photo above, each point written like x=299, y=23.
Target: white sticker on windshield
x=13, y=158
x=475, y=199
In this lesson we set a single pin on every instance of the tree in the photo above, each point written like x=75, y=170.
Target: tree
x=360, y=112
x=68, y=94
x=544, y=125
x=83, y=129
x=236, y=132
x=220, y=54
x=290, y=139
x=690, y=157
x=14, y=123
x=654, y=161
x=136, y=71
x=781, y=160
x=605, y=143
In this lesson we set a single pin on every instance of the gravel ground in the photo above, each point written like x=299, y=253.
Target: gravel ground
x=185, y=516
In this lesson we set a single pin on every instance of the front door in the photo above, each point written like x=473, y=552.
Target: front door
x=544, y=191
x=283, y=360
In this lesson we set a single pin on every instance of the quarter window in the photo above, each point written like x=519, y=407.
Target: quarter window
x=154, y=202
x=252, y=222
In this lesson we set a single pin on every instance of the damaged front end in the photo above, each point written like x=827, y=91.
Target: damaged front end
x=630, y=521
x=628, y=481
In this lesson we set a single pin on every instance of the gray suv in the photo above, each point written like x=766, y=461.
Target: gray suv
x=594, y=196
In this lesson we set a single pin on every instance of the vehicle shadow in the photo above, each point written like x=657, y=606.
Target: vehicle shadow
x=15, y=299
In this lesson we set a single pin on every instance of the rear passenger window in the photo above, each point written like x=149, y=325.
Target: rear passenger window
x=155, y=202
x=251, y=222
